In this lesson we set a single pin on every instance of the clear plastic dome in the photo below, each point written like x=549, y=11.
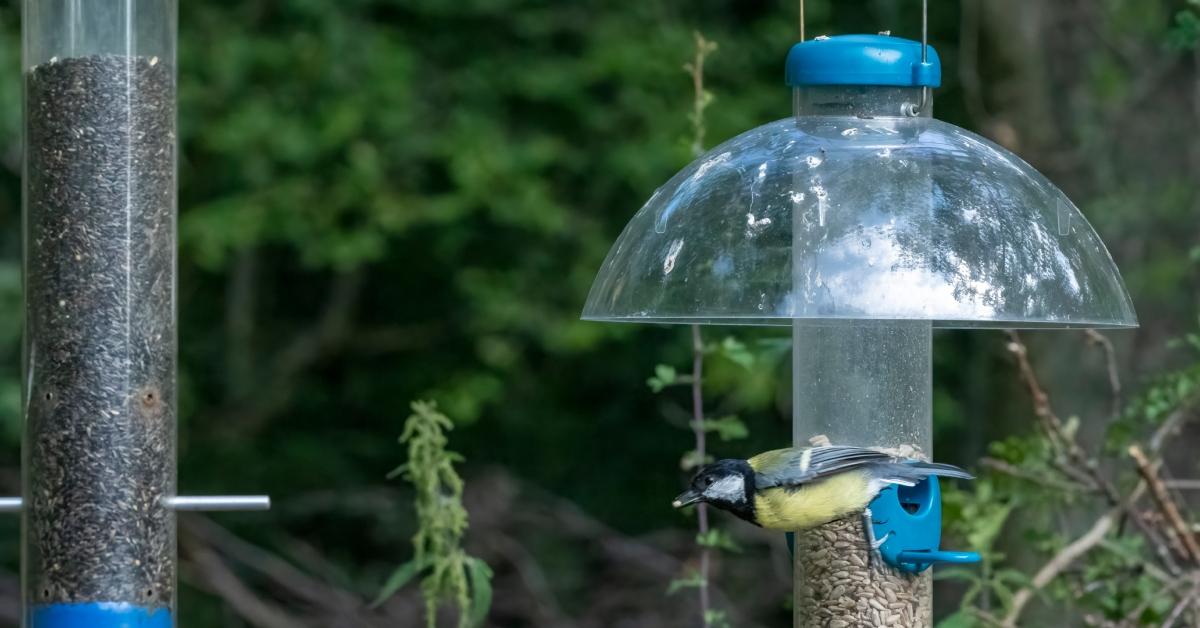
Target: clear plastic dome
x=851, y=217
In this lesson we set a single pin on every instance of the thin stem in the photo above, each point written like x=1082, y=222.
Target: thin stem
x=700, y=101
x=701, y=446
x=1114, y=373
x=1168, y=507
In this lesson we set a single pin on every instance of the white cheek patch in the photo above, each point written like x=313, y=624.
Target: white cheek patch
x=730, y=489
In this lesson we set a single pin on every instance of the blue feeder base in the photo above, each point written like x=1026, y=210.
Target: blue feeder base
x=99, y=615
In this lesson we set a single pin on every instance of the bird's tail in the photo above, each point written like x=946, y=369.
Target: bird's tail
x=909, y=473
x=944, y=470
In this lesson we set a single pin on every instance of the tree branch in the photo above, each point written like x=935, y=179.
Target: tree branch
x=1166, y=505
x=1110, y=359
x=220, y=579
x=1101, y=527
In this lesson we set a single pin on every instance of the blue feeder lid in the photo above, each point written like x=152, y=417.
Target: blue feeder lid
x=862, y=60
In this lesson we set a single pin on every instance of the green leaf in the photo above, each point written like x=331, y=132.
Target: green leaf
x=956, y=573
x=737, y=352
x=961, y=619
x=664, y=376
x=397, y=580
x=1013, y=576
x=398, y=471
x=717, y=539
x=716, y=618
x=1185, y=33
x=727, y=428
x=481, y=590
x=692, y=460
x=691, y=581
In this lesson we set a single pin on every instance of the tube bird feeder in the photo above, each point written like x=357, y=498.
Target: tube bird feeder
x=863, y=224
x=99, y=452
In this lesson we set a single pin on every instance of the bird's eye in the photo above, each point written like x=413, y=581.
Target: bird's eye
x=708, y=480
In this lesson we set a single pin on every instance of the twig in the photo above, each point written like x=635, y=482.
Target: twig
x=219, y=578
x=701, y=446
x=700, y=101
x=533, y=578
x=203, y=532
x=1182, y=605
x=645, y=557
x=1175, y=421
x=1051, y=425
x=701, y=98
x=1131, y=618
x=266, y=399
x=1047, y=481
x=1066, y=444
x=1166, y=505
x=1095, y=535
x=1063, y=559
x=1110, y=360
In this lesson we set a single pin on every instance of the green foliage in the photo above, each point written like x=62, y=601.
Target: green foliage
x=1163, y=396
x=1116, y=578
x=665, y=376
x=692, y=460
x=716, y=619
x=450, y=576
x=717, y=538
x=979, y=516
x=727, y=428
x=693, y=580
x=1185, y=32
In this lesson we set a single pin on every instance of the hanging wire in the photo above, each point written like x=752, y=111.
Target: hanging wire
x=924, y=51
x=801, y=20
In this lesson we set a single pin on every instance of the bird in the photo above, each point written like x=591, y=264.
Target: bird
x=797, y=489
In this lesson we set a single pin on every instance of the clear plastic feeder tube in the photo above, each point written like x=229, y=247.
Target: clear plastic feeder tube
x=857, y=382
x=100, y=336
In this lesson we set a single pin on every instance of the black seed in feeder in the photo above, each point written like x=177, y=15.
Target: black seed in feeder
x=100, y=274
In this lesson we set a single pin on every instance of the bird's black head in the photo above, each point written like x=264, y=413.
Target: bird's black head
x=726, y=484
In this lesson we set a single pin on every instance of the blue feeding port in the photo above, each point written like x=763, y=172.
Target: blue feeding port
x=99, y=615
x=908, y=519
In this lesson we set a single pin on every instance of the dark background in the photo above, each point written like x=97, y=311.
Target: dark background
x=392, y=200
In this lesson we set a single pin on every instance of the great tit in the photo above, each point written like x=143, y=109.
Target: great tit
x=798, y=489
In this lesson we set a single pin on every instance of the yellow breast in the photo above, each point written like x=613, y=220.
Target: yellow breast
x=812, y=504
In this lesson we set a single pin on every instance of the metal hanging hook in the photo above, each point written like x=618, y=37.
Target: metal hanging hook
x=925, y=91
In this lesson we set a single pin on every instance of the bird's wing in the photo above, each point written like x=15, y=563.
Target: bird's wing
x=793, y=467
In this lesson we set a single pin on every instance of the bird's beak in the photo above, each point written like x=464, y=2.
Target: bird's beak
x=687, y=497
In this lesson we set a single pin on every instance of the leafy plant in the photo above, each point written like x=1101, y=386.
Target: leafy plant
x=1134, y=564
x=1185, y=33
x=449, y=575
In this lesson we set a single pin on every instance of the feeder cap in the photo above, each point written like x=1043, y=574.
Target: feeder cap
x=862, y=60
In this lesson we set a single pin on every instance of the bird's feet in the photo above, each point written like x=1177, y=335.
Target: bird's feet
x=873, y=544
